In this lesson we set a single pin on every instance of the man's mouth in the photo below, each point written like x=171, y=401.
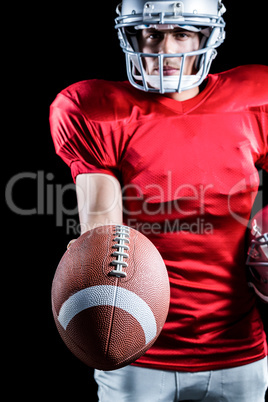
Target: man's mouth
x=168, y=70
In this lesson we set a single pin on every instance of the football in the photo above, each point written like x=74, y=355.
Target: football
x=110, y=296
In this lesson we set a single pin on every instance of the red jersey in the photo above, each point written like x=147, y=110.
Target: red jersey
x=188, y=172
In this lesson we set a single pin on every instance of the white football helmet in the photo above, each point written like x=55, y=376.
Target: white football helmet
x=204, y=16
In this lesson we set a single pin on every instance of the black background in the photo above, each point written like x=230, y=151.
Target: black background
x=81, y=43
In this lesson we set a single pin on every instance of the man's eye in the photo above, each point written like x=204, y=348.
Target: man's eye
x=182, y=35
x=154, y=36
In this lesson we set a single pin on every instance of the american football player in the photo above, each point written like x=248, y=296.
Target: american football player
x=174, y=153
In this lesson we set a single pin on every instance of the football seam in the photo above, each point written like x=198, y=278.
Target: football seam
x=112, y=318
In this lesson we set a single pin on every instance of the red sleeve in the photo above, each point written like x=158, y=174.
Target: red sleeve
x=78, y=141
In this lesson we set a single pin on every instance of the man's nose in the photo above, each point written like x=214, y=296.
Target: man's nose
x=168, y=44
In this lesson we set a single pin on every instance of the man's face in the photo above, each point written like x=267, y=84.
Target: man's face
x=169, y=41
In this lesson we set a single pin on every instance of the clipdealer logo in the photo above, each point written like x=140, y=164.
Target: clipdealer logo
x=38, y=194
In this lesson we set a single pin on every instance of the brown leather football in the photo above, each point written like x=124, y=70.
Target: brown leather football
x=110, y=296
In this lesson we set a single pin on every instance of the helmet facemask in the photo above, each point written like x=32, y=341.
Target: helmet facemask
x=165, y=15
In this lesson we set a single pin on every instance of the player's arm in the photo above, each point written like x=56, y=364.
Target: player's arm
x=99, y=199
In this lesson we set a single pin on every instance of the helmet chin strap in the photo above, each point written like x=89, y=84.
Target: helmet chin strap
x=169, y=82
x=176, y=83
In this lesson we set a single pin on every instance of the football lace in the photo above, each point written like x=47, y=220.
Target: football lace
x=121, y=239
